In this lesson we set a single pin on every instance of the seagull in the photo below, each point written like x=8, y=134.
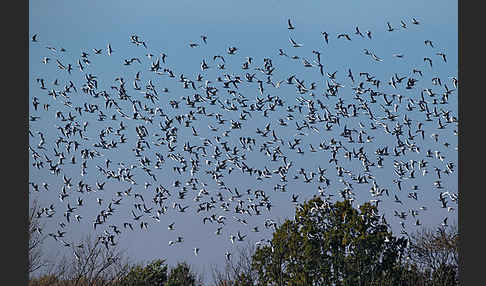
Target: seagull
x=376, y=58
x=290, y=25
x=204, y=66
x=109, y=50
x=241, y=237
x=428, y=60
x=76, y=256
x=295, y=198
x=232, y=50
x=171, y=226
x=218, y=231
x=326, y=35
x=415, y=22
x=454, y=81
x=294, y=44
x=428, y=42
x=345, y=36
x=368, y=33
x=442, y=55
x=444, y=222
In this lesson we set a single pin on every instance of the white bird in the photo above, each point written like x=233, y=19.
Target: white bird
x=241, y=237
x=294, y=44
x=454, y=81
x=444, y=222
x=171, y=226
x=376, y=58
x=290, y=25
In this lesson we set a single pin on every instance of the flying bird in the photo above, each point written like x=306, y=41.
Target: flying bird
x=344, y=35
x=290, y=27
x=326, y=37
x=294, y=44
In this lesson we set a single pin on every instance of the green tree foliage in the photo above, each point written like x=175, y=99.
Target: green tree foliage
x=244, y=280
x=154, y=273
x=410, y=275
x=181, y=275
x=331, y=244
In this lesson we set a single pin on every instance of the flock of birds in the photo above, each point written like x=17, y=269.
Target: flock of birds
x=140, y=152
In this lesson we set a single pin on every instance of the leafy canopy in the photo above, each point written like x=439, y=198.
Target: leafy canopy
x=330, y=244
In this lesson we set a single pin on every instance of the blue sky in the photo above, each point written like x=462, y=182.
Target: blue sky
x=258, y=29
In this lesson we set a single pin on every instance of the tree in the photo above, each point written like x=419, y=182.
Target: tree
x=437, y=253
x=182, y=275
x=239, y=271
x=331, y=244
x=92, y=263
x=36, y=238
x=154, y=273
x=411, y=275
